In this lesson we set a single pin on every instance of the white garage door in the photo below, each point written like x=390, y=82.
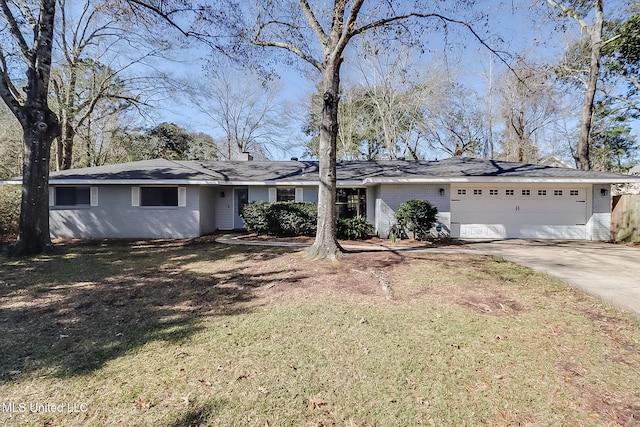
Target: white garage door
x=519, y=212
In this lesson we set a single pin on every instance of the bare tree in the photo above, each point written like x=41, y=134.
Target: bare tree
x=246, y=109
x=383, y=111
x=319, y=35
x=93, y=73
x=398, y=92
x=528, y=105
x=456, y=124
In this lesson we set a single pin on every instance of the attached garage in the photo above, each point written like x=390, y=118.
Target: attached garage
x=530, y=211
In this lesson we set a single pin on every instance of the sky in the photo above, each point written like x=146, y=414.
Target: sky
x=513, y=32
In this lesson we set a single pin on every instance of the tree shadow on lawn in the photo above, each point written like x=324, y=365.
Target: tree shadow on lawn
x=202, y=415
x=70, y=312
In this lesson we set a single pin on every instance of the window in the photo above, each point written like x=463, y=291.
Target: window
x=557, y=192
x=493, y=192
x=72, y=196
x=526, y=192
x=158, y=196
x=574, y=192
x=285, y=195
x=477, y=192
x=461, y=191
x=509, y=192
x=351, y=202
x=542, y=192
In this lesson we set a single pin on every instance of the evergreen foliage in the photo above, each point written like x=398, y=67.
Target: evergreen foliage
x=417, y=217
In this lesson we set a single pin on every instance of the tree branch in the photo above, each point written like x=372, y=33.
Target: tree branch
x=11, y=95
x=286, y=46
x=311, y=18
x=468, y=26
x=15, y=30
x=351, y=23
x=570, y=13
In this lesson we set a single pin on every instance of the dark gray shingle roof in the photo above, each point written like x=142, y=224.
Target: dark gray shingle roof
x=455, y=168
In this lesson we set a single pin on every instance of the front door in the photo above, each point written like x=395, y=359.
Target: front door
x=240, y=198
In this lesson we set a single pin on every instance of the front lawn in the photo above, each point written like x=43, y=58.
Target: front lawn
x=194, y=333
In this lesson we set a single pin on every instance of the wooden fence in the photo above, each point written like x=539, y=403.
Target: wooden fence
x=625, y=218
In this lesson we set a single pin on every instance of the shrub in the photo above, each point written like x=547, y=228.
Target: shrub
x=254, y=215
x=354, y=228
x=9, y=211
x=292, y=219
x=281, y=218
x=416, y=216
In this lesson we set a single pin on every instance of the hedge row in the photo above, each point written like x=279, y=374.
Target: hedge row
x=281, y=218
x=297, y=219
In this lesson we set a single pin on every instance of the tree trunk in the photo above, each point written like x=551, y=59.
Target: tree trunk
x=40, y=129
x=582, y=150
x=326, y=245
x=65, y=143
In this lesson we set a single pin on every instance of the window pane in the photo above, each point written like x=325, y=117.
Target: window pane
x=65, y=196
x=72, y=196
x=286, y=195
x=351, y=202
x=158, y=196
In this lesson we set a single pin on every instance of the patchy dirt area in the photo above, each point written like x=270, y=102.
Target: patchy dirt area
x=372, y=241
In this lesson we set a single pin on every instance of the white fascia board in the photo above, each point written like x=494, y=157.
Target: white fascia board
x=131, y=182
x=354, y=183
x=11, y=182
x=488, y=179
x=350, y=184
x=286, y=183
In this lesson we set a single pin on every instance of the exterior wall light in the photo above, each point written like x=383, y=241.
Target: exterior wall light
x=442, y=192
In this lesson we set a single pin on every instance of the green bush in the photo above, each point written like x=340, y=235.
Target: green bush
x=292, y=219
x=355, y=228
x=281, y=218
x=9, y=211
x=417, y=217
x=254, y=215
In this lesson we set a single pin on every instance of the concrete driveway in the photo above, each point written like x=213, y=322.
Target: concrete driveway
x=607, y=270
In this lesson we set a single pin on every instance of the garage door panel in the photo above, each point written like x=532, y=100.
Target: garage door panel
x=545, y=216
x=499, y=231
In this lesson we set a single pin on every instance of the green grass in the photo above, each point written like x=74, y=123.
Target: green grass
x=196, y=333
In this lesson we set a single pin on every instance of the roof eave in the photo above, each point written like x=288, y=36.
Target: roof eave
x=131, y=182
x=497, y=179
